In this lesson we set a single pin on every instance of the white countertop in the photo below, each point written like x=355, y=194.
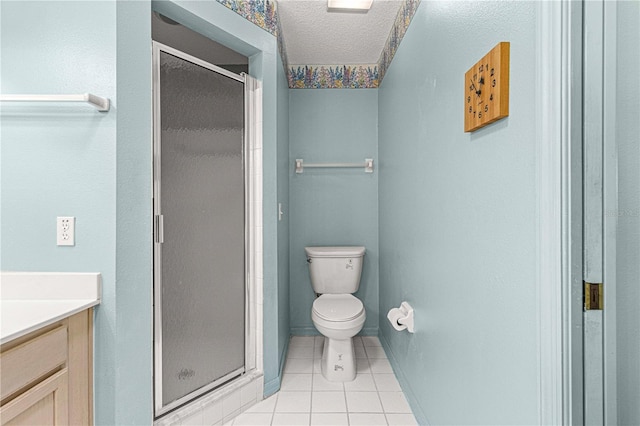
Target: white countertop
x=31, y=300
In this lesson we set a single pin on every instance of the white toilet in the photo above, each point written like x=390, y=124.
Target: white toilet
x=337, y=314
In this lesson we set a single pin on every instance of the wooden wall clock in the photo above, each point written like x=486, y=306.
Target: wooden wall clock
x=486, y=90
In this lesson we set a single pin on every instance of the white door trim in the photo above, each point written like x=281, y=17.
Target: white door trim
x=549, y=214
x=559, y=187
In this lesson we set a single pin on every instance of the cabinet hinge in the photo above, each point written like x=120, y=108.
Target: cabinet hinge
x=593, y=296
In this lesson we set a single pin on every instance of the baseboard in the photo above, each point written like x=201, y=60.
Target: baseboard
x=369, y=331
x=283, y=357
x=404, y=383
x=273, y=385
x=311, y=331
x=304, y=331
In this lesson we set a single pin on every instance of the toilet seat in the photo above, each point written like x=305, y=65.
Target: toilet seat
x=337, y=307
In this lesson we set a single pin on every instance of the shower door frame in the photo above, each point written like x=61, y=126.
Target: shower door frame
x=249, y=284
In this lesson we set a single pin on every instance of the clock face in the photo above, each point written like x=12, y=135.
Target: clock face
x=487, y=89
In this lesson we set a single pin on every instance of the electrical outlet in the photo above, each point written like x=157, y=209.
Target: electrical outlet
x=66, y=230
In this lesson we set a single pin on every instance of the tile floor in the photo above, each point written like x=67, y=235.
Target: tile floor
x=306, y=398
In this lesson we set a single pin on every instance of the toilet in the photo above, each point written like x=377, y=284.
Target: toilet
x=337, y=314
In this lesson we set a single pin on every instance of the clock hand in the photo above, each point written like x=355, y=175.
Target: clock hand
x=475, y=88
x=480, y=83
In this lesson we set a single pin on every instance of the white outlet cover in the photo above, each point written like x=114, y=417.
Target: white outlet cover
x=66, y=230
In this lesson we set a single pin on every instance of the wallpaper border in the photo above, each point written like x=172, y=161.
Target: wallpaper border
x=264, y=14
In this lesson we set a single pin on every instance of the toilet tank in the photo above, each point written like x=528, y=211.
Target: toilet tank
x=335, y=270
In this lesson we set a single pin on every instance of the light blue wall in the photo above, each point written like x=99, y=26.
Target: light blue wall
x=332, y=206
x=133, y=344
x=283, y=225
x=58, y=161
x=97, y=167
x=62, y=161
x=457, y=219
x=627, y=90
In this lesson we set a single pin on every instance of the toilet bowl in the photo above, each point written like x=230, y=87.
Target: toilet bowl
x=337, y=314
x=338, y=317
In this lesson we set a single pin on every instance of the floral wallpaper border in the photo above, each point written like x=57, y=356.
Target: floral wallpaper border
x=398, y=30
x=333, y=76
x=282, y=48
x=355, y=76
x=264, y=14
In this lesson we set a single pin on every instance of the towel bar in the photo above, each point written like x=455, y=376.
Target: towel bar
x=368, y=165
x=100, y=103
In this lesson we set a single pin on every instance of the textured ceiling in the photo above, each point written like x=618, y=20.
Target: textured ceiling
x=169, y=32
x=314, y=36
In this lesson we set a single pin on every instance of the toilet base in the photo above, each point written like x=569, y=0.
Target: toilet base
x=338, y=360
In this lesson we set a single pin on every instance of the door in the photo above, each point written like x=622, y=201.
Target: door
x=622, y=212
x=611, y=212
x=200, y=224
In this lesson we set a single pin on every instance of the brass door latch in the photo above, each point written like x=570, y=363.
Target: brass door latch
x=593, y=296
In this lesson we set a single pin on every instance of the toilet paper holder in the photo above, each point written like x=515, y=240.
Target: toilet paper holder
x=402, y=318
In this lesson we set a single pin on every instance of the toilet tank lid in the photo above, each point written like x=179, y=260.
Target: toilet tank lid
x=335, y=251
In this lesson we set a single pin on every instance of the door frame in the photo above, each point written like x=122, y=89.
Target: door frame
x=562, y=52
x=559, y=211
x=249, y=304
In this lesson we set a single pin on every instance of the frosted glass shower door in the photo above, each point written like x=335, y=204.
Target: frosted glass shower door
x=199, y=255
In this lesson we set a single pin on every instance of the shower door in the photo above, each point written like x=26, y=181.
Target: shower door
x=200, y=301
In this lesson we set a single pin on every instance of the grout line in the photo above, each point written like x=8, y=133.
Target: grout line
x=386, y=419
x=277, y=395
x=346, y=405
x=312, y=374
x=311, y=393
x=384, y=413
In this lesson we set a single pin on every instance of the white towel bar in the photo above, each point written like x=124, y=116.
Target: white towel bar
x=368, y=165
x=100, y=103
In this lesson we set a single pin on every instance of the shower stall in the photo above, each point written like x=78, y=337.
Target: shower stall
x=204, y=242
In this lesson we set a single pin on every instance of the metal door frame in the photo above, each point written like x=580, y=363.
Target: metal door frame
x=158, y=235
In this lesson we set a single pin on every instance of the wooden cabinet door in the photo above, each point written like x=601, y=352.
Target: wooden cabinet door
x=45, y=404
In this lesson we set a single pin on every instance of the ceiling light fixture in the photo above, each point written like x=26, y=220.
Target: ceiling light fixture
x=350, y=4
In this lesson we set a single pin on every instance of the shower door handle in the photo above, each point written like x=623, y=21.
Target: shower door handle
x=159, y=222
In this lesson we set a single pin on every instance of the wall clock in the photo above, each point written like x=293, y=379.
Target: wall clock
x=486, y=89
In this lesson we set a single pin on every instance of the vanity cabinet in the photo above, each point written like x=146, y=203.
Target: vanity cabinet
x=47, y=374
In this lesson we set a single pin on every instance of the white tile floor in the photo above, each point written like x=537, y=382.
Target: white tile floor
x=306, y=398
